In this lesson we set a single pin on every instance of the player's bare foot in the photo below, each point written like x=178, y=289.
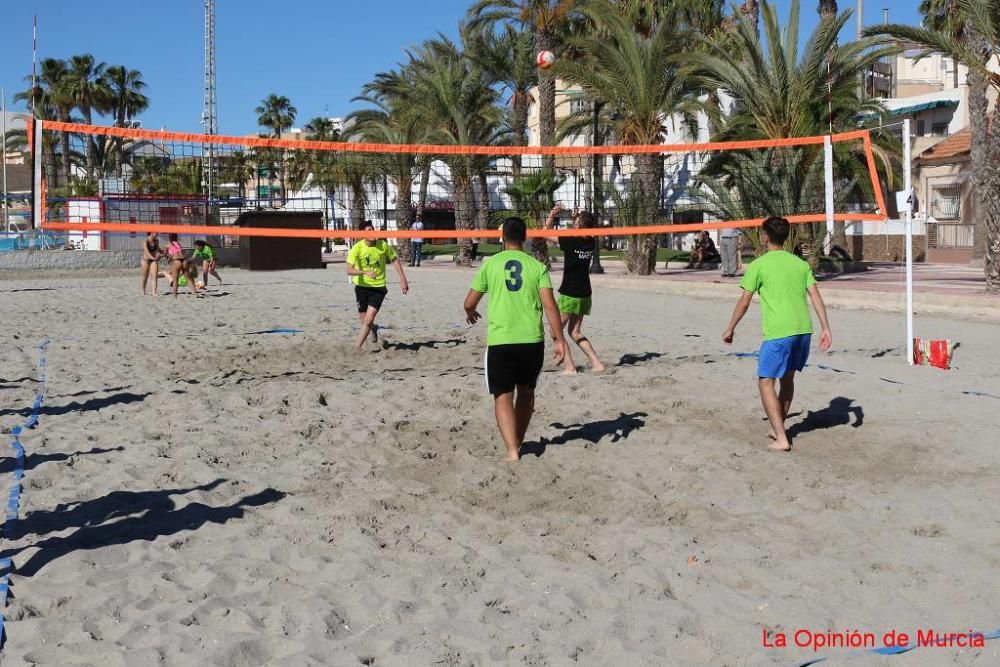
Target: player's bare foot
x=598, y=368
x=512, y=457
x=374, y=334
x=569, y=371
x=780, y=446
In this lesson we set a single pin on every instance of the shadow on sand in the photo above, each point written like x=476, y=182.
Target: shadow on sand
x=618, y=428
x=838, y=413
x=123, y=398
x=121, y=517
x=32, y=461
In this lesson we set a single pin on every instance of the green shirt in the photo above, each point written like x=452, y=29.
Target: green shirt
x=512, y=279
x=364, y=257
x=782, y=280
x=204, y=252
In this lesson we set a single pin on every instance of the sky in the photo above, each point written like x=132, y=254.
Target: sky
x=318, y=53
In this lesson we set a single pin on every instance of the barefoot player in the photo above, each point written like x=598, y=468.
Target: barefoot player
x=575, y=292
x=366, y=263
x=782, y=280
x=520, y=290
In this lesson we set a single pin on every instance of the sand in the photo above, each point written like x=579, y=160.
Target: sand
x=196, y=493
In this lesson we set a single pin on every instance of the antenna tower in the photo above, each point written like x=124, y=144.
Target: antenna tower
x=209, y=114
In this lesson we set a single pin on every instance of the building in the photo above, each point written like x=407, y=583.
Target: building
x=944, y=198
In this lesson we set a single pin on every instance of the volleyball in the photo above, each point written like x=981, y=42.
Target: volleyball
x=545, y=59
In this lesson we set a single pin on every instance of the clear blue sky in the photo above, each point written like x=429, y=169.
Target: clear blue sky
x=317, y=52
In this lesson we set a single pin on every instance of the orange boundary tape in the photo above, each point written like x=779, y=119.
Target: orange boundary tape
x=159, y=135
x=215, y=230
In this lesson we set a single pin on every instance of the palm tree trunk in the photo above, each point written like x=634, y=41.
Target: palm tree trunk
x=987, y=233
x=546, y=100
x=357, y=214
x=465, y=212
x=425, y=177
x=483, y=209
x=89, y=141
x=64, y=147
x=405, y=215
x=520, y=122
x=640, y=255
x=979, y=156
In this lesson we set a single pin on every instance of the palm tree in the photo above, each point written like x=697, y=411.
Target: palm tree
x=968, y=31
x=392, y=122
x=276, y=113
x=508, y=59
x=459, y=105
x=627, y=62
x=51, y=100
x=532, y=196
x=126, y=98
x=547, y=20
x=782, y=92
x=90, y=92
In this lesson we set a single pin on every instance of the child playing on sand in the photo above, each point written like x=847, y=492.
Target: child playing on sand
x=206, y=254
x=575, y=291
x=519, y=290
x=366, y=264
x=782, y=280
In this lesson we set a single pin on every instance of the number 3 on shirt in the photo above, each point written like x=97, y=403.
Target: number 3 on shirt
x=512, y=271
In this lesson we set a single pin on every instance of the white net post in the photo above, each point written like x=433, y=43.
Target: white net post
x=37, y=196
x=828, y=188
x=908, y=189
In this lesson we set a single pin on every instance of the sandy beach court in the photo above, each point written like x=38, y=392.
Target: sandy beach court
x=201, y=490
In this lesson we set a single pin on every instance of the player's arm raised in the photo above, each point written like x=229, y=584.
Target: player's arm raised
x=550, y=223
x=555, y=323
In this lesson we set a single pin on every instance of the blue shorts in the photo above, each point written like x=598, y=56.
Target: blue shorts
x=781, y=355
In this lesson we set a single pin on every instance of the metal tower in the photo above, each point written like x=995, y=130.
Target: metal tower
x=209, y=114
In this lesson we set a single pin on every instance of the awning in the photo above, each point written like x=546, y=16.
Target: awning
x=924, y=106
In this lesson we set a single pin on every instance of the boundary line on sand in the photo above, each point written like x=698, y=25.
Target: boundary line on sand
x=14, y=497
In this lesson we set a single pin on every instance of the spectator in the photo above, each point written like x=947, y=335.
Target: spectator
x=703, y=251
x=417, y=243
x=730, y=245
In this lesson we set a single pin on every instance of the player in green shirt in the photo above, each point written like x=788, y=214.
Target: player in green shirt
x=782, y=280
x=520, y=291
x=206, y=254
x=366, y=263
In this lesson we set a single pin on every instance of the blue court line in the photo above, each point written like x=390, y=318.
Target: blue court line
x=885, y=650
x=14, y=497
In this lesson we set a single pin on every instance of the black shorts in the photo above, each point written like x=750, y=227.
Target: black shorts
x=369, y=297
x=508, y=366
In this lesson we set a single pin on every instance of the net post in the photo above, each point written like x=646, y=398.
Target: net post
x=37, y=193
x=908, y=189
x=828, y=190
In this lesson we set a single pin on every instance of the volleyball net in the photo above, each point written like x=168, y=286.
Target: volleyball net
x=118, y=183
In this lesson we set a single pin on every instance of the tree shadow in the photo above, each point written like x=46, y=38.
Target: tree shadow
x=153, y=515
x=838, y=413
x=618, y=428
x=32, y=461
x=429, y=344
x=633, y=359
x=123, y=398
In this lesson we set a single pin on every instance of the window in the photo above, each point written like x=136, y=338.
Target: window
x=578, y=104
x=946, y=203
x=939, y=129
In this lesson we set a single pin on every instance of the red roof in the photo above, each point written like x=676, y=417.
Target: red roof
x=957, y=145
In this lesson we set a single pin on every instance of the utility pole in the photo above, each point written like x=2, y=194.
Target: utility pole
x=209, y=114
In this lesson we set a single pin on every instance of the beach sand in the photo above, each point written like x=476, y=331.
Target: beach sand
x=199, y=493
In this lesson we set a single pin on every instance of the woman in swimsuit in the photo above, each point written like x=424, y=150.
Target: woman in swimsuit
x=179, y=264
x=150, y=254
